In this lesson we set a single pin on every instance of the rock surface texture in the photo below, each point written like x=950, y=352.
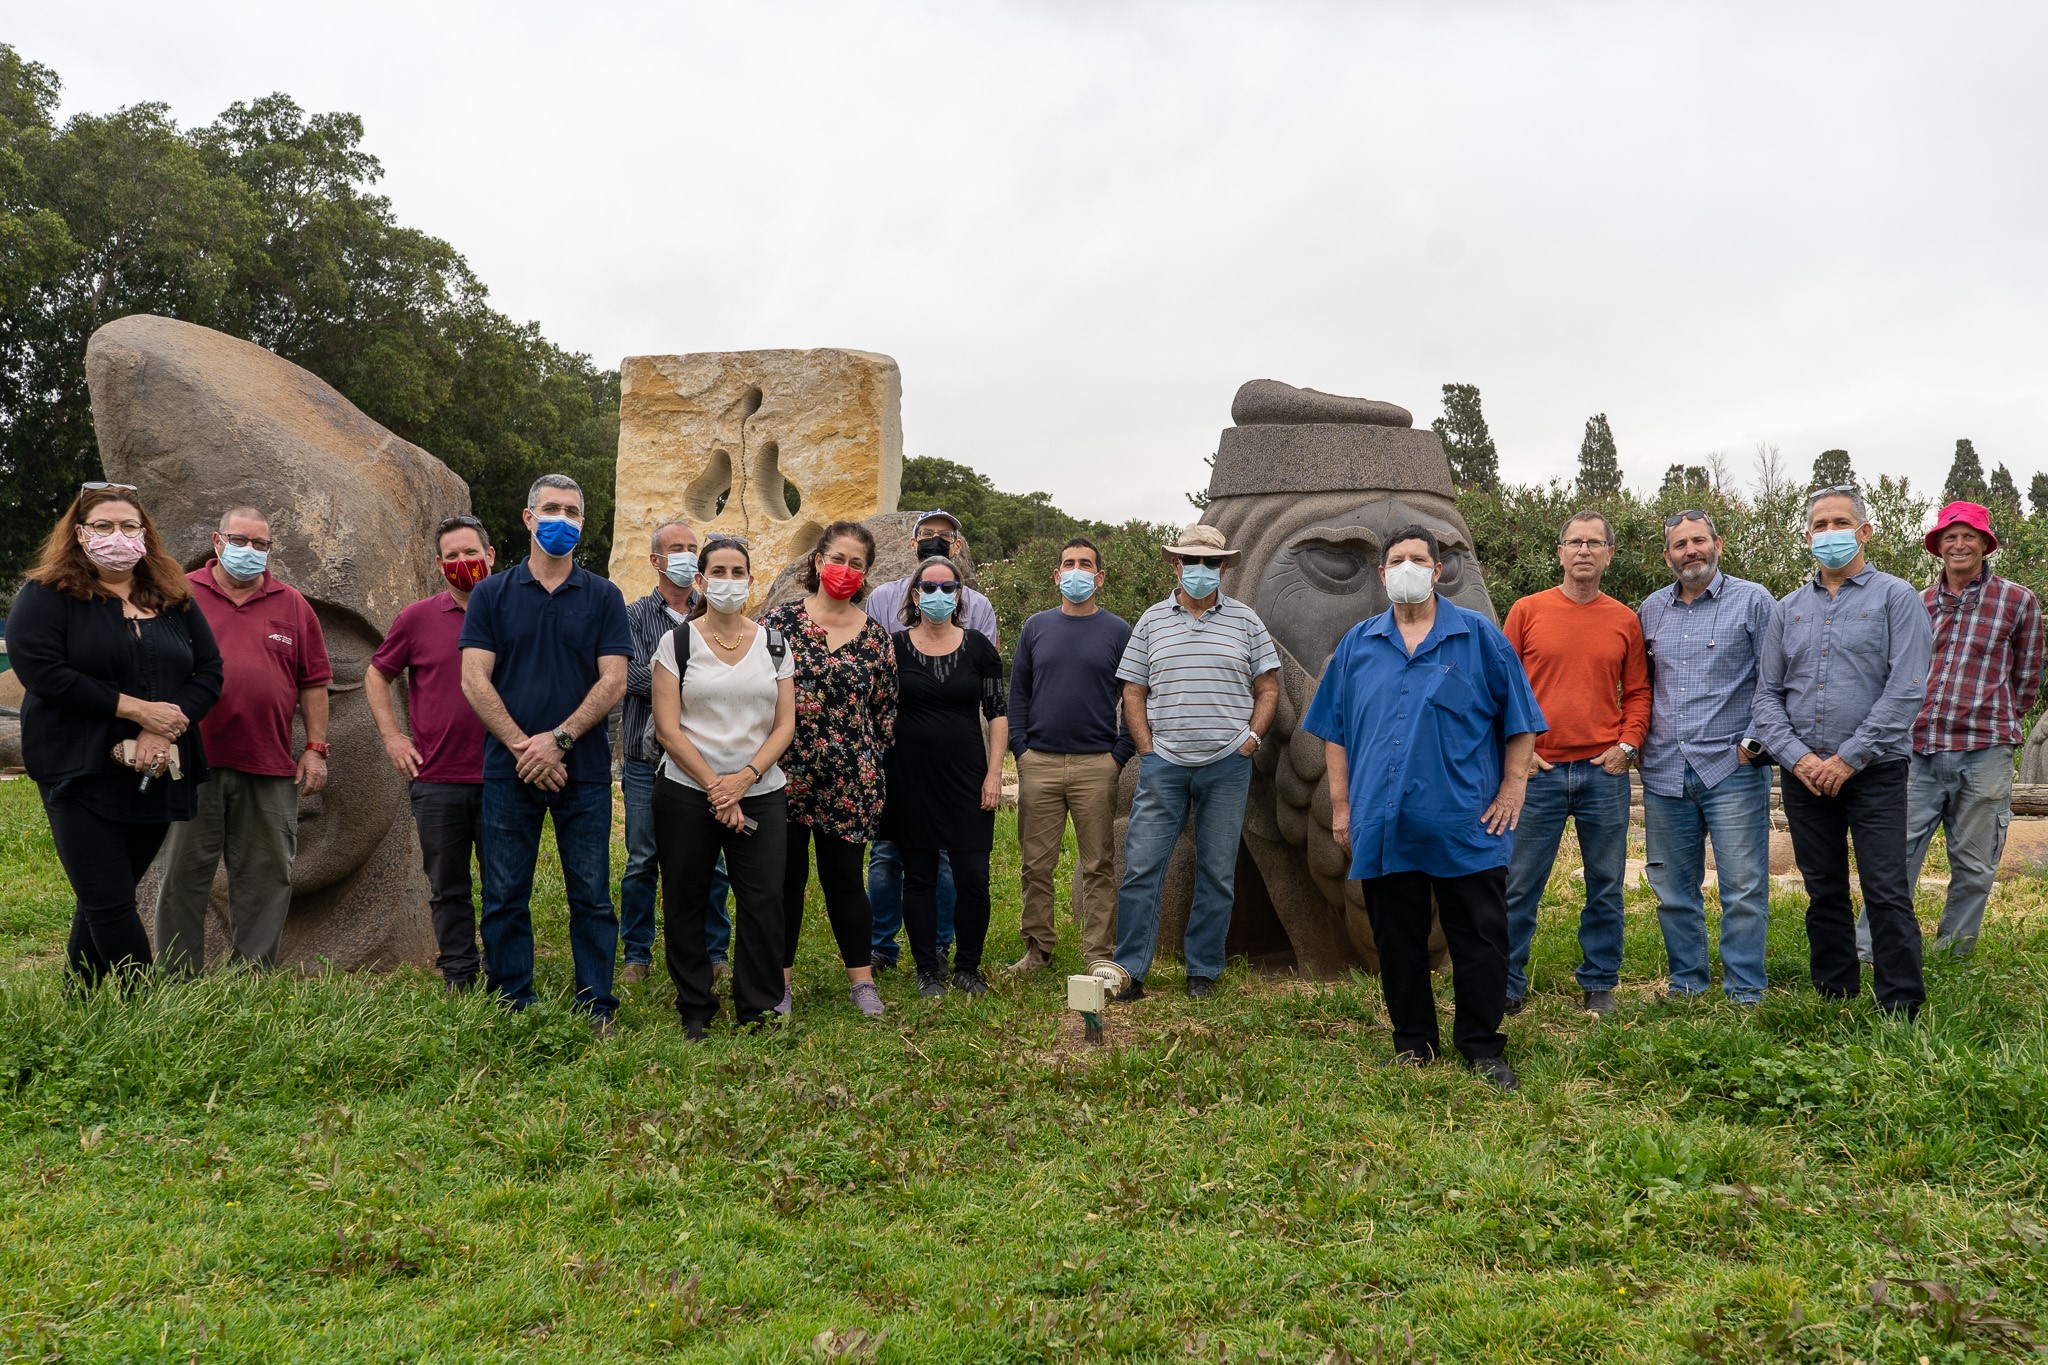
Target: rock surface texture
x=770, y=445
x=201, y=422
x=895, y=556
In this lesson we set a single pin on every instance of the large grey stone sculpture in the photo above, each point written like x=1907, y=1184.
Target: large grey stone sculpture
x=1310, y=503
x=201, y=422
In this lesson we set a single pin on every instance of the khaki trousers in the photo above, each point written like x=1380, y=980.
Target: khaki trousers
x=1051, y=787
x=254, y=821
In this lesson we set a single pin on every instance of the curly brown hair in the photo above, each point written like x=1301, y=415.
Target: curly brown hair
x=159, y=585
x=836, y=531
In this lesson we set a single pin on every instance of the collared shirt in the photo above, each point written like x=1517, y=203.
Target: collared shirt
x=547, y=646
x=424, y=644
x=1843, y=674
x=1703, y=664
x=884, y=606
x=649, y=620
x=1197, y=672
x=1987, y=665
x=1424, y=737
x=271, y=649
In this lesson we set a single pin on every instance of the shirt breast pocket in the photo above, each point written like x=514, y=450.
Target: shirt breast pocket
x=281, y=638
x=1453, y=693
x=1863, y=632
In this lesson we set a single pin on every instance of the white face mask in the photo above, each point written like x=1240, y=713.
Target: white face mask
x=727, y=594
x=1409, y=582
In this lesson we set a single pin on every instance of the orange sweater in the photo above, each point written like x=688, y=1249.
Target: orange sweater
x=1587, y=666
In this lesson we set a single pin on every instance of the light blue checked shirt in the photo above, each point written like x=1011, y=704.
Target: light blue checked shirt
x=1703, y=670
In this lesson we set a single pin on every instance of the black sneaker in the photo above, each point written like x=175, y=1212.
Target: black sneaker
x=931, y=985
x=1201, y=987
x=1514, y=1005
x=1495, y=1071
x=970, y=982
x=1134, y=991
x=1599, y=1002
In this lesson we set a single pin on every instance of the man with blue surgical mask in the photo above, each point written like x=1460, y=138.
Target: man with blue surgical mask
x=1067, y=734
x=1201, y=685
x=1841, y=675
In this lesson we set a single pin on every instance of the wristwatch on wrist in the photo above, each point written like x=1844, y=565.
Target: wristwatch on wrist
x=323, y=748
x=564, y=740
x=1753, y=747
x=1629, y=749
x=1256, y=741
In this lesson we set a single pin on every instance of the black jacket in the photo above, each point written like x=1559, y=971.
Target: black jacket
x=75, y=659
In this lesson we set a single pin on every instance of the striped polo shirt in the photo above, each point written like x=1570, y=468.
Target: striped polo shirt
x=1198, y=676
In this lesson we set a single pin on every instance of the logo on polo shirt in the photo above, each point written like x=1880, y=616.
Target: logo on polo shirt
x=281, y=638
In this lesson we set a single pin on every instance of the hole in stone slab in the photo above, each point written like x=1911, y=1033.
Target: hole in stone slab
x=772, y=493
x=706, y=495
x=750, y=402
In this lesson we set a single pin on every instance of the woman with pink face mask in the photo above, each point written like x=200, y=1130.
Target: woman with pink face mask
x=119, y=667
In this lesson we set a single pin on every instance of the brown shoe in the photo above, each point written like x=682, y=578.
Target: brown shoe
x=1034, y=960
x=632, y=972
x=721, y=971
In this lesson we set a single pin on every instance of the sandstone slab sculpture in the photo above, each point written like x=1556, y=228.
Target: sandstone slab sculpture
x=201, y=422
x=769, y=445
x=1310, y=504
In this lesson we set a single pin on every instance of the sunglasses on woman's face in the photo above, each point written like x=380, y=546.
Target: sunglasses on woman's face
x=949, y=587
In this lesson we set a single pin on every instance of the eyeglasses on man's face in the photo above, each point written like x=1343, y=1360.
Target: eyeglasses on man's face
x=1577, y=545
x=1206, y=561
x=240, y=541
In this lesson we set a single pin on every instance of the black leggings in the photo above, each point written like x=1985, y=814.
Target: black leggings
x=841, y=874
x=104, y=859
x=970, y=906
x=688, y=838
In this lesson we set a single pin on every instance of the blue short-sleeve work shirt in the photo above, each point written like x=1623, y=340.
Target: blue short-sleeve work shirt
x=1424, y=736
x=547, y=646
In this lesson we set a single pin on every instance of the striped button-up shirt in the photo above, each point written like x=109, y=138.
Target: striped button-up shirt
x=1198, y=676
x=1987, y=665
x=1703, y=657
x=1843, y=674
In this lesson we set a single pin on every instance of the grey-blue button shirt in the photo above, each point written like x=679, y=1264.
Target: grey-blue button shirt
x=1703, y=670
x=1844, y=674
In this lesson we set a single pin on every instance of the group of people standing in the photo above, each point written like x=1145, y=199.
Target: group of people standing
x=861, y=730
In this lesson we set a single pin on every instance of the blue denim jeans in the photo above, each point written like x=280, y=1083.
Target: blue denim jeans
x=582, y=811
x=1168, y=794
x=885, y=895
x=1968, y=793
x=643, y=874
x=1596, y=801
x=1736, y=815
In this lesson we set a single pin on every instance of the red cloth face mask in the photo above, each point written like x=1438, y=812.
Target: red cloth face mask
x=464, y=574
x=840, y=583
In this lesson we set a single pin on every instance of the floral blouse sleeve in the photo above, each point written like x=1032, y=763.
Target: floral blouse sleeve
x=845, y=717
x=882, y=699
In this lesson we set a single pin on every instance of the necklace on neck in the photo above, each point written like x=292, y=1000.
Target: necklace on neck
x=721, y=641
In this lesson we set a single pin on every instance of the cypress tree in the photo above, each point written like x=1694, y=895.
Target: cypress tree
x=1965, y=476
x=1467, y=443
x=1599, y=466
x=1831, y=469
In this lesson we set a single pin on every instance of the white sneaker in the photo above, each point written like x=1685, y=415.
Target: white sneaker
x=782, y=1006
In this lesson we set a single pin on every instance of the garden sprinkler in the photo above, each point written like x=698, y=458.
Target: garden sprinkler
x=1087, y=995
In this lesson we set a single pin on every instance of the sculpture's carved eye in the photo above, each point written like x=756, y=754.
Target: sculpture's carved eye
x=1453, y=576
x=1336, y=566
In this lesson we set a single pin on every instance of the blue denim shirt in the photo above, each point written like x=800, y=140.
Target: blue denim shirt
x=1844, y=674
x=1424, y=736
x=1703, y=669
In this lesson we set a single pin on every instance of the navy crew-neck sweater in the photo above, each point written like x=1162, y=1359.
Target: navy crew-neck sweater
x=1063, y=687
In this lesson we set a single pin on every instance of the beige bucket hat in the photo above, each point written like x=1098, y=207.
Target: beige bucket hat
x=1201, y=541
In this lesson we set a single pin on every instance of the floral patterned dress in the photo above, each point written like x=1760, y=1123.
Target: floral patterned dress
x=845, y=722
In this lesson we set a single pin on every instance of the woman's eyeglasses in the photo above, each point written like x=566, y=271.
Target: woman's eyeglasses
x=107, y=528
x=949, y=587
x=101, y=486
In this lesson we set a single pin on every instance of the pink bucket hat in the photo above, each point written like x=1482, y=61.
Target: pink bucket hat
x=1968, y=514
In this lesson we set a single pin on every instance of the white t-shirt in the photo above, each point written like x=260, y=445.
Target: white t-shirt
x=728, y=709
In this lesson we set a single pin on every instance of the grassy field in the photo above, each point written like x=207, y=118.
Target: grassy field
x=267, y=1169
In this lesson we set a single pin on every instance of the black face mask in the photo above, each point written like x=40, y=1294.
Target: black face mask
x=933, y=545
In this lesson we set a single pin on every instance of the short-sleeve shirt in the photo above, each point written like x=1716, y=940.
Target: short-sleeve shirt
x=547, y=646
x=426, y=640
x=728, y=709
x=1424, y=737
x=845, y=720
x=1198, y=674
x=271, y=649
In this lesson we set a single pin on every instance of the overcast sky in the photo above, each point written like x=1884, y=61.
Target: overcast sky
x=1080, y=226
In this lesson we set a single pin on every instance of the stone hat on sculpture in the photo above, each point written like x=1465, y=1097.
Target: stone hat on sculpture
x=1202, y=542
x=1970, y=514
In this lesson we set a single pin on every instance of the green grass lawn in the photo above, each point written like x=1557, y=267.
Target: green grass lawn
x=357, y=1168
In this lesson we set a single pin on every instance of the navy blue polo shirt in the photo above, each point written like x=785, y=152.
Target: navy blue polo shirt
x=547, y=646
x=1424, y=737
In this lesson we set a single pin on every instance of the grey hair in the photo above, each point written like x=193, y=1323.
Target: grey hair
x=243, y=511
x=1850, y=491
x=911, y=615
x=1692, y=514
x=654, y=541
x=551, y=481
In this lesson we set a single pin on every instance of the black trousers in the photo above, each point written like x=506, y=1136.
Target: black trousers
x=1871, y=810
x=449, y=816
x=842, y=875
x=688, y=840
x=104, y=860
x=1474, y=912
x=970, y=906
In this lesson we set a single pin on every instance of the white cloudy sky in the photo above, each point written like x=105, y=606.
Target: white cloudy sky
x=1079, y=226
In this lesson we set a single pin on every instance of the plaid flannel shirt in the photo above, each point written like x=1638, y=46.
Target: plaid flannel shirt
x=1987, y=665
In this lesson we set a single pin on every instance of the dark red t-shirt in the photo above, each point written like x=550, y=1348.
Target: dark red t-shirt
x=271, y=647
x=444, y=729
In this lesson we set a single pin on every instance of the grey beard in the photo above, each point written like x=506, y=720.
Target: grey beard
x=1698, y=575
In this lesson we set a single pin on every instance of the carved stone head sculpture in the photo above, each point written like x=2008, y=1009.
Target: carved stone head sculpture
x=201, y=422
x=1310, y=485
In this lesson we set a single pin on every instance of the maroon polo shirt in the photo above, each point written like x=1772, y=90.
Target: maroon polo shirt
x=270, y=648
x=444, y=728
